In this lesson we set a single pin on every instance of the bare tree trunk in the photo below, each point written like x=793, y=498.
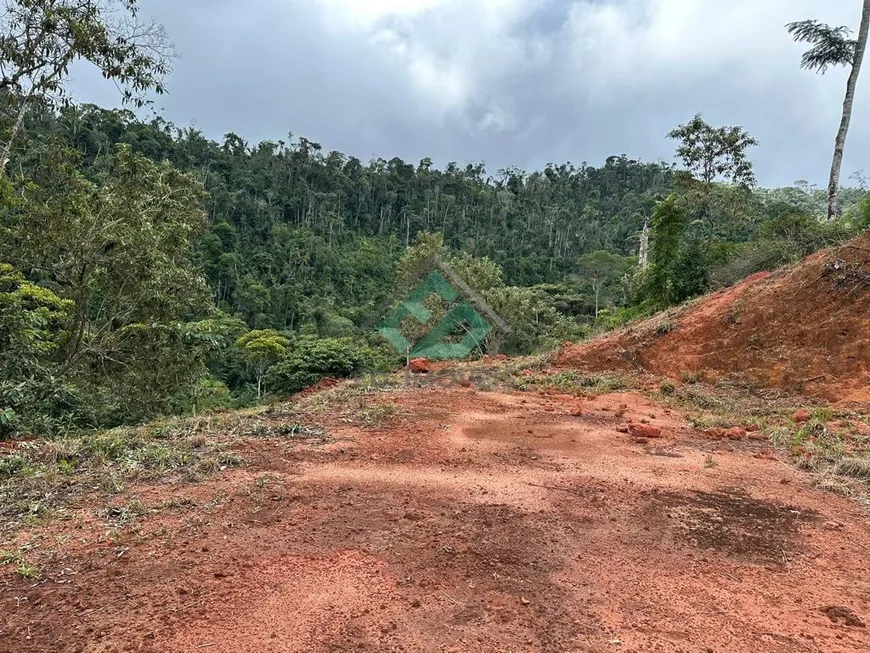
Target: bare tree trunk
x=834, y=183
x=7, y=149
x=643, y=254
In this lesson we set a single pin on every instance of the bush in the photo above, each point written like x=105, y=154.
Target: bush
x=536, y=326
x=309, y=360
x=785, y=239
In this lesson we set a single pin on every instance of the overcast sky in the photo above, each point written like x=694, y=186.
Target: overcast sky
x=508, y=82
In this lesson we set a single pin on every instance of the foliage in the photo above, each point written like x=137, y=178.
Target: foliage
x=784, y=239
x=261, y=349
x=602, y=270
x=535, y=324
x=715, y=152
x=831, y=45
x=657, y=285
x=31, y=326
x=167, y=247
x=309, y=360
x=40, y=39
x=118, y=252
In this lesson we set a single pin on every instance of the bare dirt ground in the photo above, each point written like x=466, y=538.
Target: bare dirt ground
x=467, y=521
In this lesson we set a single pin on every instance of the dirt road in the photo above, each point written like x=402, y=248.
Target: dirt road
x=467, y=521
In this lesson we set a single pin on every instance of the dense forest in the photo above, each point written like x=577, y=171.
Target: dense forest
x=146, y=269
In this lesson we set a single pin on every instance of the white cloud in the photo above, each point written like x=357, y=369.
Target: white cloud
x=510, y=82
x=453, y=50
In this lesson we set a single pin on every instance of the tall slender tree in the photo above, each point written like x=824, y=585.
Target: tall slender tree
x=832, y=46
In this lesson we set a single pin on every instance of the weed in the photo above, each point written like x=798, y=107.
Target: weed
x=665, y=327
x=571, y=381
x=10, y=557
x=831, y=483
x=710, y=462
x=733, y=315
x=667, y=388
x=27, y=572
x=40, y=476
x=377, y=413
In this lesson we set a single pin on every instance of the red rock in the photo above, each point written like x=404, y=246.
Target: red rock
x=486, y=358
x=622, y=429
x=751, y=428
x=527, y=373
x=420, y=366
x=501, y=357
x=577, y=411
x=716, y=433
x=736, y=433
x=644, y=430
x=802, y=416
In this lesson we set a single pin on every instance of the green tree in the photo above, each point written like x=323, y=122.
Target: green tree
x=121, y=251
x=657, y=288
x=261, y=349
x=40, y=39
x=31, y=329
x=833, y=47
x=600, y=269
x=711, y=154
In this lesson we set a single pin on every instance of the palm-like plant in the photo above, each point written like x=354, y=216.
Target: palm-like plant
x=832, y=46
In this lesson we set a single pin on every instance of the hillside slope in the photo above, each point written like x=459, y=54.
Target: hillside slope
x=803, y=329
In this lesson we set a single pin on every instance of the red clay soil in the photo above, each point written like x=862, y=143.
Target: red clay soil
x=805, y=329
x=473, y=522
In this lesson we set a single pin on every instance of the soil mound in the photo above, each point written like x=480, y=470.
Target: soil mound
x=803, y=329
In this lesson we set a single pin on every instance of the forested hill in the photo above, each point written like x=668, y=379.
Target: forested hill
x=358, y=216
x=147, y=270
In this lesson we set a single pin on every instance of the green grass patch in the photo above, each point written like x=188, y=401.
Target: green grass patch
x=41, y=476
x=571, y=381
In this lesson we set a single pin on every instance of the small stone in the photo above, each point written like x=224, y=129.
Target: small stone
x=736, y=433
x=644, y=430
x=415, y=603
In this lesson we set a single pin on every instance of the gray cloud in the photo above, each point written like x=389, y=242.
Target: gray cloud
x=508, y=82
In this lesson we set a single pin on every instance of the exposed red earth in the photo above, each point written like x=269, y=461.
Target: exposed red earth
x=469, y=521
x=804, y=329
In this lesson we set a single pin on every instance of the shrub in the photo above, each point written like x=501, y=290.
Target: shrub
x=308, y=360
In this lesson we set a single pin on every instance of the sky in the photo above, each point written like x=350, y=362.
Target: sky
x=507, y=82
